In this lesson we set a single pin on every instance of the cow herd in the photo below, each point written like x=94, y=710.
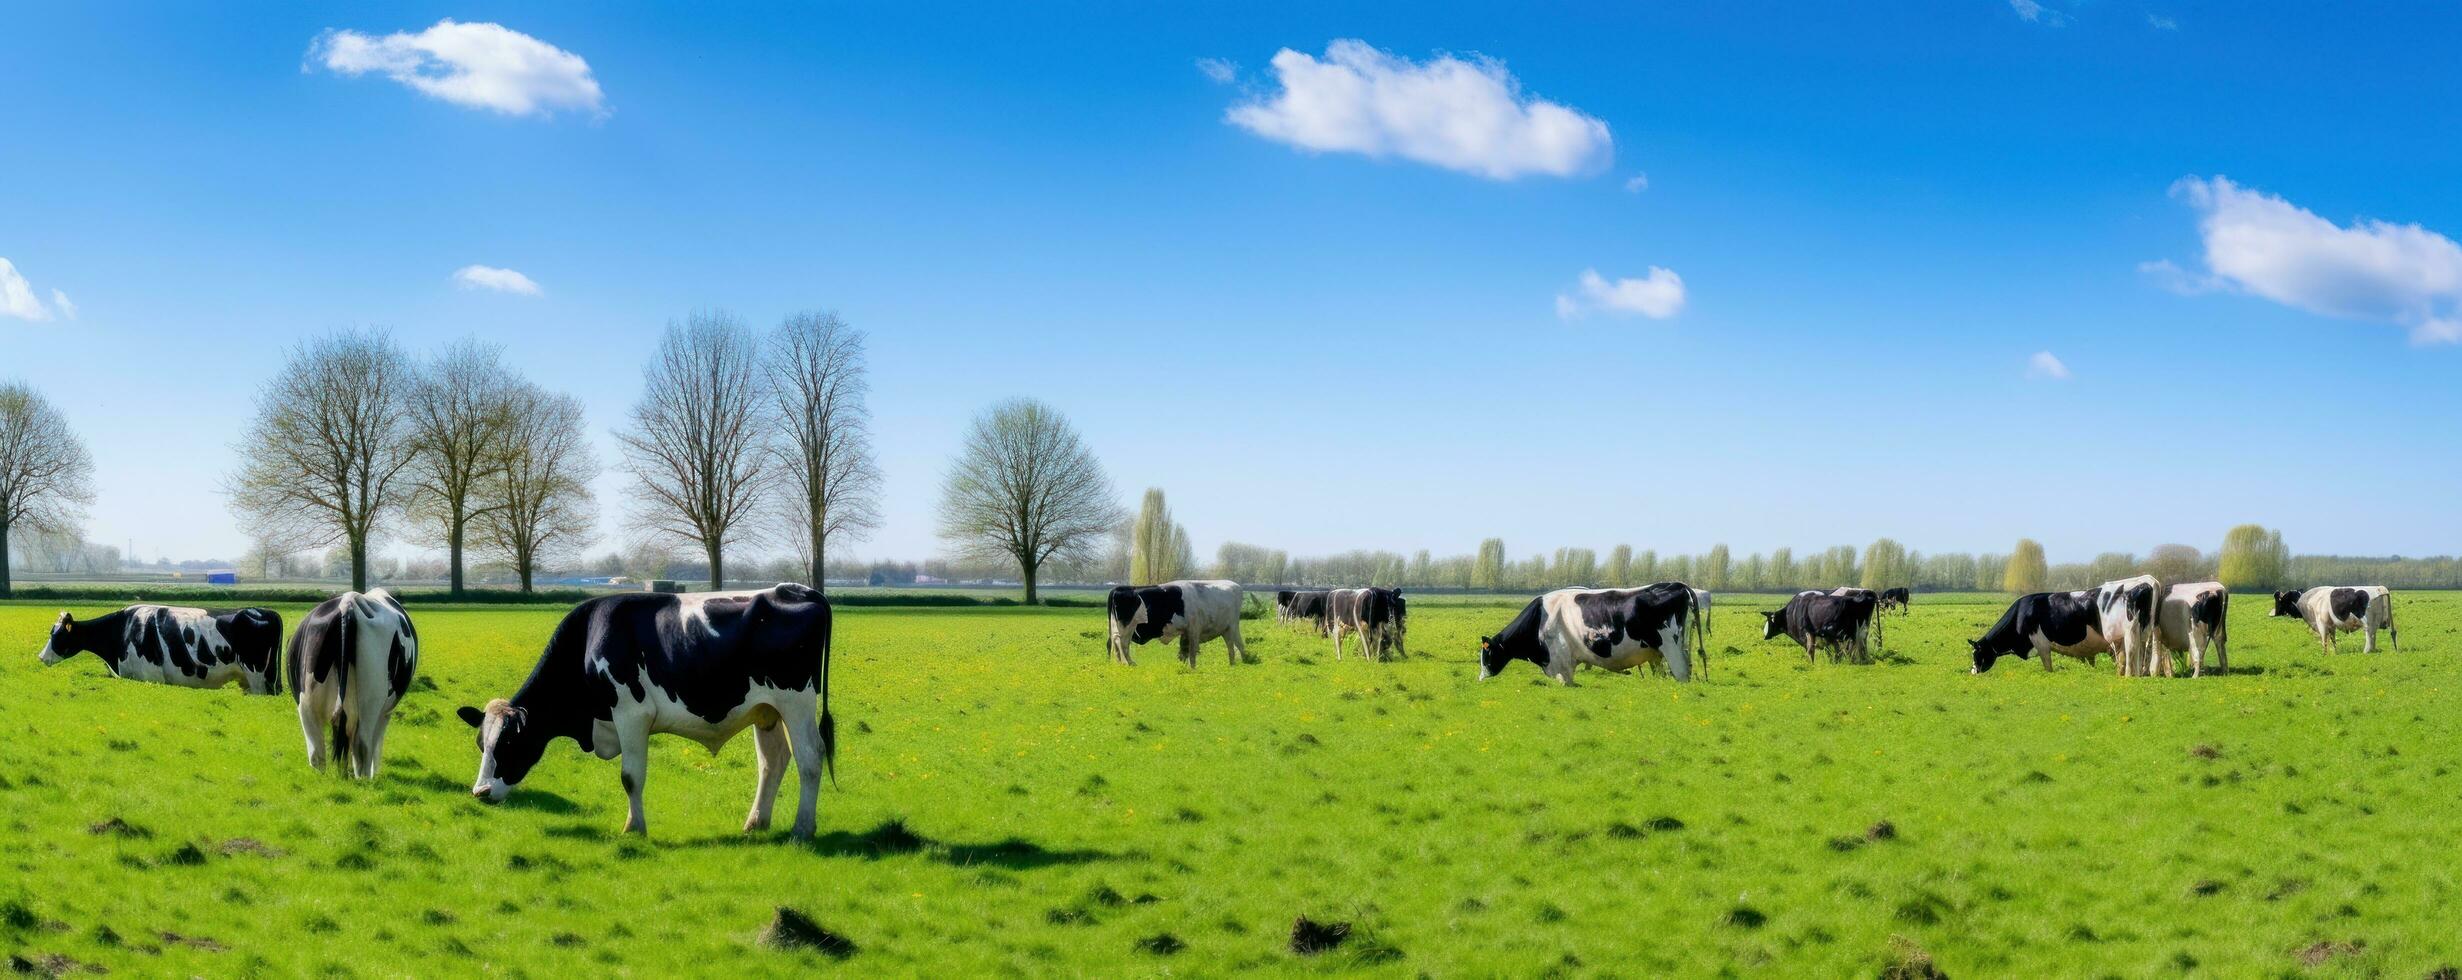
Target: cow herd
x=620, y=668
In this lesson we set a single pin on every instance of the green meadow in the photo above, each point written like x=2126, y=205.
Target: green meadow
x=1011, y=803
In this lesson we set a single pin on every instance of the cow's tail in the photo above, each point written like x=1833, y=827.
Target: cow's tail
x=1701, y=659
x=2391, y=633
x=829, y=723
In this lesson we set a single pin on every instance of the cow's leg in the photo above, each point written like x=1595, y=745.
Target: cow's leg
x=1188, y=647
x=2196, y=654
x=633, y=745
x=315, y=728
x=802, y=717
x=770, y=742
x=1337, y=641
x=1233, y=646
x=372, y=740
x=2371, y=646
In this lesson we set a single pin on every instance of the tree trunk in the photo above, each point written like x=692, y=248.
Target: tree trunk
x=718, y=570
x=821, y=545
x=5, y=586
x=454, y=544
x=1029, y=570
x=359, y=563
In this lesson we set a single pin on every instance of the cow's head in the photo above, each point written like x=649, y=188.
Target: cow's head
x=1494, y=655
x=63, y=642
x=508, y=747
x=2286, y=603
x=1986, y=653
x=1772, y=624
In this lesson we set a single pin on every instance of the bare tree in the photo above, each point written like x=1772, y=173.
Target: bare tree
x=324, y=460
x=46, y=476
x=824, y=456
x=1026, y=489
x=537, y=506
x=696, y=443
x=460, y=413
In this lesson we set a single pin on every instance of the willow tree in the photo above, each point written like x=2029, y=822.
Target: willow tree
x=323, y=464
x=1885, y=565
x=1620, y=567
x=2026, y=569
x=2253, y=558
x=1027, y=490
x=1487, y=572
x=1158, y=547
x=698, y=443
x=46, y=476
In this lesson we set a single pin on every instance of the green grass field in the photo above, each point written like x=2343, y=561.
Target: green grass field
x=1012, y=803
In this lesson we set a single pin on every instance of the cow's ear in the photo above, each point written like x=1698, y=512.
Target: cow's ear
x=471, y=715
x=66, y=620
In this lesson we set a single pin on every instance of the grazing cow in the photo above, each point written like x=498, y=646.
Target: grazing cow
x=2042, y=624
x=1304, y=605
x=2193, y=619
x=1815, y=619
x=1897, y=598
x=350, y=663
x=1193, y=612
x=177, y=645
x=1880, y=633
x=705, y=666
x=2127, y=607
x=2332, y=611
x=1377, y=615
x=1617, y=629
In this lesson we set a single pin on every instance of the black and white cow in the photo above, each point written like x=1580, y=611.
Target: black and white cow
x=2331, y=611
x=1616, y=629
x=350, y=663
x=2128, y=607
x=1897, y=598
x=2044, y=623
x=1190, y=611
x=705, y=666
x=2195, y=618
x=1378, y=616
x=1305, y=605
x=1880, y=633
x=1820, y=619
x=178, y=645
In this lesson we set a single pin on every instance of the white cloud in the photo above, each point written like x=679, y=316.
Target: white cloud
x=1218, y=69
x=17, y=296
x=2161, y=23
x=1658, y=295
x=482, y=66
x=1469, y=116
x=2034, y=12
x=2044, y=365
x=2265, y=246
x=60, y=300
x=490, y=277
x=1637, y=184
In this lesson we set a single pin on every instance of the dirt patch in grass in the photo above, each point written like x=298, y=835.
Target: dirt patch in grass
x=1310, y=937
x=791, y=929
x=116, y=827
x=2322, y=951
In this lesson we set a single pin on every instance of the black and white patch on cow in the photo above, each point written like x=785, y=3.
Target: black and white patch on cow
x=1880, y=635
x=1303, y=606
x=2044, y=623
x=1192, y=612
x=1817, y=620
x=1897, y=599
x=2128, y=610
x=2331, y=611
x=1614, y=629
x=350, y=663
x=2195, y=619
x=705, y=666
x=177, y=645
x=1377, y=616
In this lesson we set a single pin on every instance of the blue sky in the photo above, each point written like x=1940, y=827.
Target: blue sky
x=1873, y=218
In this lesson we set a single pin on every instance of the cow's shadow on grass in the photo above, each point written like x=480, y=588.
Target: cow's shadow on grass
x=892, y=838
x=539, y=800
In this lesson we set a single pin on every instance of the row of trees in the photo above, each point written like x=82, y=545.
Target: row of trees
x=2252, y=558
x=733, y=439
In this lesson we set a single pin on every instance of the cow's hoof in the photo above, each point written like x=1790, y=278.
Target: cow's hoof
x=755, y=824
x=641, y=827
x=801, y=833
